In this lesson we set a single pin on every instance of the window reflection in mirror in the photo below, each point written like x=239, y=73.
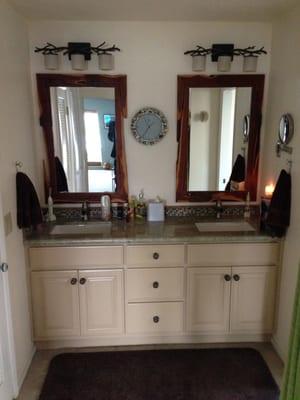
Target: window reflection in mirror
x=218, y=149
x=84, y=138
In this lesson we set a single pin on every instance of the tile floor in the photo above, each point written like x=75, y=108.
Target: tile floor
x=38, y=369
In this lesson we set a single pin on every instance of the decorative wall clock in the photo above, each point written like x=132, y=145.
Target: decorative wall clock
x=149, y=125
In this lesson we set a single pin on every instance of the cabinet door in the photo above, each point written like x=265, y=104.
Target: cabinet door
x=55, y=304
x=208, y=299
x=252, y=299
x=101, y=302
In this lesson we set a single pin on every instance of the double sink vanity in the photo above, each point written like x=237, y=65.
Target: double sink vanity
x=186, y=280
x=121, y=283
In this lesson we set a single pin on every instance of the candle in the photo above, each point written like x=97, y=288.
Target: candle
x=269, y=189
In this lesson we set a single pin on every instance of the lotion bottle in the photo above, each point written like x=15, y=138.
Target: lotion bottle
x=247, y=212
x=51, y=216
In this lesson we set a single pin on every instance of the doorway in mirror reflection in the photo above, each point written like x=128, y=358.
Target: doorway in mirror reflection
x=217, y=142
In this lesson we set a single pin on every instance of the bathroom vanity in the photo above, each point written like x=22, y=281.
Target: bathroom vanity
x=152, y=283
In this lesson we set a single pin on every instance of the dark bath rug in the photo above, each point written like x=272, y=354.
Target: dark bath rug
x=205, y=374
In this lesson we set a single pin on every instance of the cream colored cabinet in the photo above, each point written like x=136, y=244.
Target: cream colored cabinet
x=208, y=299
x=141, y=294
x=101, y=302
x=237, y=300
x=252, y=299
x=55, y=304
x=74, y=303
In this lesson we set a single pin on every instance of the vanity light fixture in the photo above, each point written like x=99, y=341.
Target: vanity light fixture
x=79, y=54
x=223, y=54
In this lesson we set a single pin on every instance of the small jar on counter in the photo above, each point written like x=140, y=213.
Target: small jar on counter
x=119, y=210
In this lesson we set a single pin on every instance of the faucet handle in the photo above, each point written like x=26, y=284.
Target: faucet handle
x=84, y=210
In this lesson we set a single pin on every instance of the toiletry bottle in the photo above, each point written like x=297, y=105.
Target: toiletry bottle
x=132, y=206
x=140, y=211
x=105, y=208
x=247, y=212
x=50, y=216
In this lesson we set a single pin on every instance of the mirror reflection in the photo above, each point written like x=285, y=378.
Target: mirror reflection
x=84, y=138
x=217, y=144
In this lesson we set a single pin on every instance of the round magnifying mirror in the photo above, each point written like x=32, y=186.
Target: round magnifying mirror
x=246, y=127
x=286, y=128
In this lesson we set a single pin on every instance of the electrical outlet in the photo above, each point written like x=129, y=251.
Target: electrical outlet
x=8, y=227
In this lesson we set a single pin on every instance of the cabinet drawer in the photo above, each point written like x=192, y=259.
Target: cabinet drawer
x=168, y=255
x=154, y=318
x=155, y=284
x=58, y=257
x=233, y=254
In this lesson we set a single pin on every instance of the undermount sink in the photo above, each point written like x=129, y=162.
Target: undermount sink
x=224, y=226
x=81, y=229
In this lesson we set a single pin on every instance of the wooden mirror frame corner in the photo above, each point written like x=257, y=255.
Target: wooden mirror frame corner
x=119, y=83
x=184, y=83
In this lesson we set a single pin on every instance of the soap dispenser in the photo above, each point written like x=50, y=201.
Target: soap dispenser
x=141, y=211
x=247, y=211
x=50, y=216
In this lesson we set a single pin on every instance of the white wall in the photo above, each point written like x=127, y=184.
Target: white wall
x=203, y=138
x=284, y=97
x=16, y=143
x=152, y=57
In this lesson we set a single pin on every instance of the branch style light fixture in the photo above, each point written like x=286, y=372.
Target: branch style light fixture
x=223, y=54
x=79, y=53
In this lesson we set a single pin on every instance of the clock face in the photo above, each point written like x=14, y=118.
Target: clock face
x=149, y=125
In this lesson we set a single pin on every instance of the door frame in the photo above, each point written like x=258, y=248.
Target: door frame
x=7, y=311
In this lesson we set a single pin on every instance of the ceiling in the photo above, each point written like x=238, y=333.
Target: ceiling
x=151, y=10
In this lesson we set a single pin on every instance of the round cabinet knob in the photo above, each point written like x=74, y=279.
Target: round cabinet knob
x=155, y=285
x=155, y=256
x=236, y=277
x=4, y=267
x=73, y=281
x=82, y=281
x=227, y=278
x=156, y=319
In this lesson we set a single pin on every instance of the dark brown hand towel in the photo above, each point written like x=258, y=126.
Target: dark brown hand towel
x=278, y=218
x=238, y=172
x=61, y=179
x=28, y=206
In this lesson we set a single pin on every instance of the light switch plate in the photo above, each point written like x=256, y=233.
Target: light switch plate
x=8, y=227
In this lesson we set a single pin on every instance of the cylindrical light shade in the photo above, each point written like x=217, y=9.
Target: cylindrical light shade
x=79, y=62
x=224, y=63
x=106, y=61
x=250, y=63
x=51, y=61
x=199, y=63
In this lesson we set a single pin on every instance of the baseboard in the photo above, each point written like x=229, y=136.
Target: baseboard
x=145, y=340
x=282, y=354
x=25, y=370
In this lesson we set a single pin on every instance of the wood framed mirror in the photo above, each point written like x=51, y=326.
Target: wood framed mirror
x=82, y=117
x=213, y=158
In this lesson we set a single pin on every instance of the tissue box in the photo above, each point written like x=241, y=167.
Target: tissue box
x=156, y=211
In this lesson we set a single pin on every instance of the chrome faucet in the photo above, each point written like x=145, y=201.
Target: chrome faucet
x=219, y=209
x=85, y=211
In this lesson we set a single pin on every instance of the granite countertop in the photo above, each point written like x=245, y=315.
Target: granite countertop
x=173, y=230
